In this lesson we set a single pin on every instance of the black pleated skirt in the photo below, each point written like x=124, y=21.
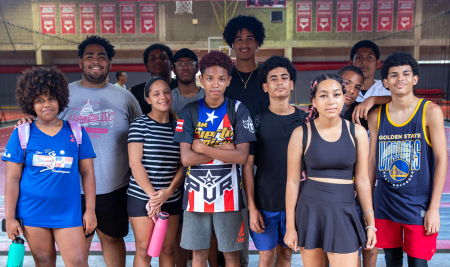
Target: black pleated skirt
x=326, y=218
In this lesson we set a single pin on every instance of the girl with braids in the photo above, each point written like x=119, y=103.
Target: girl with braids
x=322, y=218
x=156, y=172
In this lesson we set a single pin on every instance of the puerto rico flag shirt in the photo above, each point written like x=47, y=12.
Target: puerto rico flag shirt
x=214, y=186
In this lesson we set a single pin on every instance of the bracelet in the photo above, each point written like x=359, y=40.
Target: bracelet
x=373, y=227
x=367, y=212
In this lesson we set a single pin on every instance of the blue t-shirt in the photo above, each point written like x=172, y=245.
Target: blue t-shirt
x=49, y=194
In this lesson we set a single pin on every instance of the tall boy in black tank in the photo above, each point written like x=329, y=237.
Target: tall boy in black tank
x=407, y=166
x=266, y=192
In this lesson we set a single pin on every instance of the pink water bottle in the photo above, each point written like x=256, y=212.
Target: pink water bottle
x=159, y=232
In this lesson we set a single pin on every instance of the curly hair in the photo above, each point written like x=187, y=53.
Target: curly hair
x=365, y=44
x=313, y=113
x=41, y=80
x=240, y=22
x=154, y=47
x=216, y=58
x=276, y=62
x=351, y=68
x=399, y=59
x=94, y=39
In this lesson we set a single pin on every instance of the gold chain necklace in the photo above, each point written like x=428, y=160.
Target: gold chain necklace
x=245, y=83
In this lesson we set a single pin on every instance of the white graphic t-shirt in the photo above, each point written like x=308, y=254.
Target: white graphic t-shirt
x=106, y=114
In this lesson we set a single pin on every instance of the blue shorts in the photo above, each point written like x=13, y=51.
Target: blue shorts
x=275, y=222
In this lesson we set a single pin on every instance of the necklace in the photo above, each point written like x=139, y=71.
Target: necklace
x=245, y=83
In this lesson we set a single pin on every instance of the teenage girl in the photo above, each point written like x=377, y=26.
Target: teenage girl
x=156, y=173
x=42, y=184
x=323, y=218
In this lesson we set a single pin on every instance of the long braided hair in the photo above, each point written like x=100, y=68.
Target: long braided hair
x=313, y=113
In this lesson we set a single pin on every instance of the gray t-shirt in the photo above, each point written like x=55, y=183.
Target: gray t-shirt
x=179, y=101
x=106, y=114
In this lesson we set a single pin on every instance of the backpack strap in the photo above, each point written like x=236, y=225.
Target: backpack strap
x=257, y=121
x=194, y=109
x=24, y=135
x=231, y=112
x=302, y=115
x=76, y=130
x=304, y=143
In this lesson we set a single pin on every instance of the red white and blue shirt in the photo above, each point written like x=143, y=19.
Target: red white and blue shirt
x=214, y=186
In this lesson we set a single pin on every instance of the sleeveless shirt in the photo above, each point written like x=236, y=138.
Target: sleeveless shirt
x=404, y=168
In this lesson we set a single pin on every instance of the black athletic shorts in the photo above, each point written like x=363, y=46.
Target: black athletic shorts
x=136, y=207
x=111, y=212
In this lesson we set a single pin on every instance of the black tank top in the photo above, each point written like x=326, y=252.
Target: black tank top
x=325, y=159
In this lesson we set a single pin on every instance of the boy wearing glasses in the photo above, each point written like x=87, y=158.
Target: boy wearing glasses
x=185, y=67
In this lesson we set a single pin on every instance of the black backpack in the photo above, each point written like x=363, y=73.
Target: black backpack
x=231, y=111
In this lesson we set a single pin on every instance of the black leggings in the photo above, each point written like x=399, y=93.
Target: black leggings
x=394, y=258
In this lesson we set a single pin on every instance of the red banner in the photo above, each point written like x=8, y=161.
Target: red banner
x=48, y=20
x=148, y=18
x=67, y=15
x=344, y=16
x=87, y=21
x=127, y=18
x=304, y=16
x=405, y=15
x=365, y=14
x=265, y=3
x=108, y=18
x=323, y=16
x=385, y=15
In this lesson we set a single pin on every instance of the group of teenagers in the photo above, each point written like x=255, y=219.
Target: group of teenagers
x=229, y=158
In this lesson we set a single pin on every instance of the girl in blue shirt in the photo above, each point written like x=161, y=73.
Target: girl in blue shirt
x=43, y=181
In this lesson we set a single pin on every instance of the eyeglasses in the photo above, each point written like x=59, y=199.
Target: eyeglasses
x=190, y=65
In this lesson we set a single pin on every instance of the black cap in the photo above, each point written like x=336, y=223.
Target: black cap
x=366, y=44
x=18, y=240
x=184, y=52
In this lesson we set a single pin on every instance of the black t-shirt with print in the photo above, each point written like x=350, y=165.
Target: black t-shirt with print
x=253, y=97
x=138, y=92
x=271, y=152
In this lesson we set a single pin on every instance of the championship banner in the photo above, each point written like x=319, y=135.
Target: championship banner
x=87, y=21
x=48, y=20
x=148, y=18
x=365, y=15
x=385, y=15
x=344, y=16
x=67, y=15
x=127, y=18
x=405, y=15
x=108, y=18
x=304, y=16
x=324, y=16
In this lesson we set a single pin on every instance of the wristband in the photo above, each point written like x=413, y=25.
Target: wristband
x=367, y=212
x=373, y=227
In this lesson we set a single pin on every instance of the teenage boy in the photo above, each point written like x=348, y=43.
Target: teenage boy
x=121, y=77
x=353, y=80
x=158, y=62
x=407, y=166
x=266, y=191
x=365, y=55
x=185, y=66
x=245, y=34
x=214, y=135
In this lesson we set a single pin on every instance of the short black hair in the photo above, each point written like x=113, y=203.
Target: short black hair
x=399, y=59
x=366, y=44
x=240, y=22
x=46, y=80
x=154, y=47
x=276, y=62
x=216, y=58
x=119, y=73
x=94, y=39
x=352, y=68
